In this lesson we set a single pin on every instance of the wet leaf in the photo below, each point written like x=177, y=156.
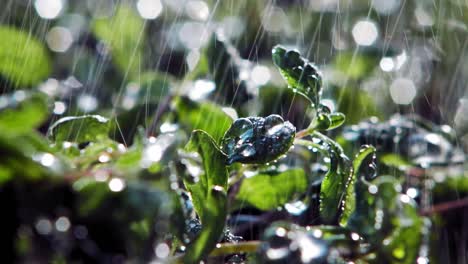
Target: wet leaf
x=267, y=191
x=204, y=116
x=215, y=212
x=21, y=112
x=328, y=121
x=301, y=75
x=79, y=129
x=23, y=59
x=334, y=190
x=258, y=139
x=208, y=195
x=363, y=166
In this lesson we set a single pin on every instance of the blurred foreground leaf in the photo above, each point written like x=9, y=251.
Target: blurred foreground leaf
x=21, y=112
x=123, y=33
x=23, y=59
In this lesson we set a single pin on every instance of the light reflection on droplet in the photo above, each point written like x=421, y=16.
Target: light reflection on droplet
x=62, y=224
x=423, y=18
x=232, y=27
x=149, y=9
x=87, y=103
x=422, y=260
x=387, y=64
x=168, y=127
x=198, y=10
x=412, y=192
x=277, y=253
x=59, y=39
x=373, y=189
x=402, y=91
x=260, y=75
x=116, y=185
x=43, y=226
x=405, y=198
x=365, y=32
x=201, y=89
x=193, y=35
x=385, y=7
x=47, y=159
x=310, y=250
x=275, y=20
x=317, y=233
x=354, y=236
x=153, y=153
x=48, y=9
x=19, y=96
x=281, y=232
x=162, y=250
x=104, y=158
x=329, y=103
x=72, y=82
x=59, y=107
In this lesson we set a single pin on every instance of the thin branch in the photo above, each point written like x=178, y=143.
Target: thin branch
x=233, y=248
x=443, y=207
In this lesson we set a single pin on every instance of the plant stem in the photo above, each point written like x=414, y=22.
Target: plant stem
x=304, y=132
x=231, y=248
x=447, y=206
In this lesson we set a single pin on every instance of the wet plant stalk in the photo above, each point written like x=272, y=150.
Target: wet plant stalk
x=232, y=248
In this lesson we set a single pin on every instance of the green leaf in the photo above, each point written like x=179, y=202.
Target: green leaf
x=267, y=191
x=213, y=225
x=204, y=116
x=21, y=112
x=301, y=75
x=123, y=32
x=328, y=121
x=208, y=195
x=23, y=59
x=334, y=190
x=361, y=168
x=79, y=129
x=258, y=139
